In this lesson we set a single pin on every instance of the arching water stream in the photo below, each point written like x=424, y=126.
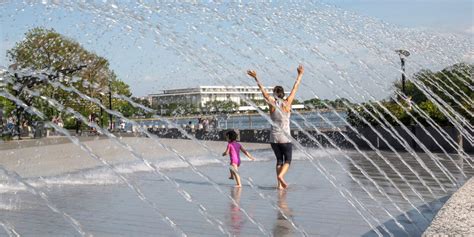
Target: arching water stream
x=117, y=184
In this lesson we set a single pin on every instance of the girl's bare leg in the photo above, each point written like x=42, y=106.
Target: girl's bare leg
x=236, y=175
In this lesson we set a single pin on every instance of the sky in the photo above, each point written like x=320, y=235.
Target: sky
x=161, y=51
x=442, y=15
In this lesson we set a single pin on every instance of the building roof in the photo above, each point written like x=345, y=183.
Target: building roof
x=202, y=90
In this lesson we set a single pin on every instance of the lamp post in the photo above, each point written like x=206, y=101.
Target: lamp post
x=403, y=54
x=110, y=107
x=106, y=92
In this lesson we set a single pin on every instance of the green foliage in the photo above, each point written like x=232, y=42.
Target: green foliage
x=221, y=106
x=362, y=111
x=7, y=105
x=452, y=82
x=63, y=58
x=316, y=103
x=456, y=78
x=433, y=112
x=295, y=102
x=130, y=111
x=256, y=102
x=177, y=109
x=69, y=122
x=374, y=113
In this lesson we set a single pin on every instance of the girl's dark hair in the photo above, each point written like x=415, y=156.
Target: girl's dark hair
x=232, y=135
x=279, y=92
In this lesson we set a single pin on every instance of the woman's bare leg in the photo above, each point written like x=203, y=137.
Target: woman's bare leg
x=278, y=170
x=282, y=173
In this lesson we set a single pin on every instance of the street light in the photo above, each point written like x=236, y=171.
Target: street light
x=106, y=91
x=403, y=54
x=111, y=122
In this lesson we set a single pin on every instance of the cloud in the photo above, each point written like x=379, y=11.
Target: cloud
x=470, y=30
x=469, y=57
x=149, y=78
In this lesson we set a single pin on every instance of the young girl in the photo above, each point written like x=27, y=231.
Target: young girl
x=233, y=149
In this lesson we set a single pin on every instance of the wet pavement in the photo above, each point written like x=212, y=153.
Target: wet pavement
x=106, y=207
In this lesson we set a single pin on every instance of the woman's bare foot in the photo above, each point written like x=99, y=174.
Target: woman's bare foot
x=237, y=186
x=282, y=182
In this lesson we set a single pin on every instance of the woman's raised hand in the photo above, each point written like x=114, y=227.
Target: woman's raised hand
x=252, y=73
x=300, y=69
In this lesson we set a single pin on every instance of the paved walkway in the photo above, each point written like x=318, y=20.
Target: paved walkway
x=54, y=156
x=456, y=218
x=91, y=193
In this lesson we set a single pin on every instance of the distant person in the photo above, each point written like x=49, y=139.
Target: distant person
x=10, y=123
x=78, y=125
x=1, y=118
x=200, y=126
x=205, y=125
x=52, y=132
x=111, y=126
x=233, y=150
x=60, y=122
x=26, y=128
x=54, y=120
x=280, y=137
x=93, y=118
x=214, y=123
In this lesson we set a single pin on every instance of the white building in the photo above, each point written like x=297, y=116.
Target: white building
x=3, y=72
x=199, y=96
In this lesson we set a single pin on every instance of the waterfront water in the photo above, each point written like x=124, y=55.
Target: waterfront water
x=255, y=121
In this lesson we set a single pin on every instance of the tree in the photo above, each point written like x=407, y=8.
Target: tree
x=254, y=101
x=340, y=103
x=314, y=103
x=317, y=103
x=177, y=109
x=136, y=112
x=451, y=82
x=445, y=84
x=295, y=102
x=6, y=105
x=22, y=85
x=46, y=50
x=226, y=106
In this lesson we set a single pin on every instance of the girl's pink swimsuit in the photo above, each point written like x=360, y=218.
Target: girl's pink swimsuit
x=234, y=152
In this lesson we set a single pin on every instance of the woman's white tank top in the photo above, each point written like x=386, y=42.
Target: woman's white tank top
x=280, y=132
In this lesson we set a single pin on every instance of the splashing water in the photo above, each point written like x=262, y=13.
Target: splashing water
x=346, y=56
